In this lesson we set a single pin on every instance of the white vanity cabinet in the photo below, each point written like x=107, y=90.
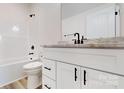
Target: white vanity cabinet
x=49, y=74
x=83, y=68
x=68, y=76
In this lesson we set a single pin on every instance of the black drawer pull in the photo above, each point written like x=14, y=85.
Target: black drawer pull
x=47, y=86
x=47, y=68
x=84, y=77
x=31, y=53
x=75, y=75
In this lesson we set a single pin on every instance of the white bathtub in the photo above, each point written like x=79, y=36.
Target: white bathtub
x=12, y=72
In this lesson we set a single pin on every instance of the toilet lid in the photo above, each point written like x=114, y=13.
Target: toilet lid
x=32, y=65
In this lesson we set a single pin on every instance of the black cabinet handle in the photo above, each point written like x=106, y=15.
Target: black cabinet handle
x=84, y=77
x=47, y=86
x=47, y=68
x=31, y=53
x=75, y=74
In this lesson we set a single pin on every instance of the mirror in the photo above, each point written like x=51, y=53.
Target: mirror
x=92, y=20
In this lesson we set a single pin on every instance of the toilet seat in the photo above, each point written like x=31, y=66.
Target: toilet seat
x=33, y=65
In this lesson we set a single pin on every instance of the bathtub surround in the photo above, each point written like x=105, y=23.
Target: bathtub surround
x=13, y=32
x=45, y=26
x=19, y=31
x=13, y=42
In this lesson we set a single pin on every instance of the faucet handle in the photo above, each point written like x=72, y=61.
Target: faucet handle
x=82, y=39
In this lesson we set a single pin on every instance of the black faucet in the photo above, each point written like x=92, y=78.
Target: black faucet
x=78, y=41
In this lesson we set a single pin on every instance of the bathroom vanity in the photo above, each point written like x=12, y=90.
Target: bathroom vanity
x=83, y=66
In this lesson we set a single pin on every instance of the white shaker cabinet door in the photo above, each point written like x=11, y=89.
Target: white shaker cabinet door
x=68, y=76
x=93, y=79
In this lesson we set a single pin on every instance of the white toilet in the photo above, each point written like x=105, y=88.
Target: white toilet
x=34, y=72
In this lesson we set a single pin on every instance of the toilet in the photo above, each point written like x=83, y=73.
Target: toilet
x=34, y=72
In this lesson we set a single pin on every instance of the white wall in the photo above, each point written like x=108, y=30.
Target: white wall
x=74, y=18
x=46, y=25
x=122, y=18
x=77, y=23
x=73, y=9
x=73, y=24
x=13, y=33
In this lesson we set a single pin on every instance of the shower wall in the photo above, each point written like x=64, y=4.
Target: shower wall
x=13, y=32
x=14, y=41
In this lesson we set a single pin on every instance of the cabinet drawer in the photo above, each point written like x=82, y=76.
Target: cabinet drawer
x=48, y=83
x=49, y=67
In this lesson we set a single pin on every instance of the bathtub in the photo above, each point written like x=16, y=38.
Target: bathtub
x=12, y=72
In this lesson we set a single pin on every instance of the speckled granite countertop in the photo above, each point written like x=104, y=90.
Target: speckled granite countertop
x=100, y=46
x=108, y=43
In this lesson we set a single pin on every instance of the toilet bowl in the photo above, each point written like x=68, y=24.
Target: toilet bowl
x=34, y=72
